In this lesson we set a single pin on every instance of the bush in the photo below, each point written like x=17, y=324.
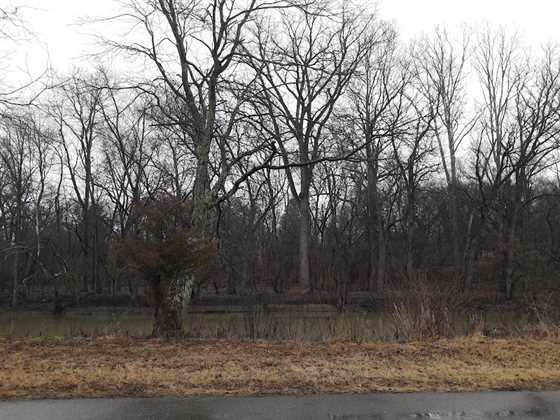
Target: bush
x=425, y=312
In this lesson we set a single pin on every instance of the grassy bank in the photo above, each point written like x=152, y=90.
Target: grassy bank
x=79, y=367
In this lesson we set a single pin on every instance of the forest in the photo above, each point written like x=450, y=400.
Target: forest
x=278, y=147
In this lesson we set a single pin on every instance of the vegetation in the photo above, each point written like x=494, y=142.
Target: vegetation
x=274, y=148
x=55, y=368
x=164, y=251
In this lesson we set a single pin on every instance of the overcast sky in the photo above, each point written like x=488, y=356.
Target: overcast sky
x=54, y=23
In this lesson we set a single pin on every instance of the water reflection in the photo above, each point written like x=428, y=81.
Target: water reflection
x=277, y=325
x=532, y=413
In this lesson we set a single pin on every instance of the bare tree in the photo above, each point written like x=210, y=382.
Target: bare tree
x=411, y=157
x=24, y=167
x=14, y=31
x=304, y=67
x=517, y=137
x=441, y=71
x=77, y=115
x=203, y=41
x=375, y=95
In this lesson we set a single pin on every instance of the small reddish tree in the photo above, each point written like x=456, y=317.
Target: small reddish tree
x=166, y=253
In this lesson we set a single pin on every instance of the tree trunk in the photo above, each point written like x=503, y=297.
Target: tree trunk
x=201, y=190
x=15, y=246
x=453, y=210
x=170, y=299
x=15, y=280
x=203, y=215
x=410, y=269
x=304, y=276
x=509, y=254
x=468, y=258
x=382, y=255
x=373, y=224
x=373, y=262
x=410, y=272
x=508, y=263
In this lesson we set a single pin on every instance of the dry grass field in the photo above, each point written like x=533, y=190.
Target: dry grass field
x=120, y=366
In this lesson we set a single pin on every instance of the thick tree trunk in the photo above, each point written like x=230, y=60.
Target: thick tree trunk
x=170, y=299
x=98, y=284
x=508, y=263
x=410, y=270
x=512, y=226
x=373, y=224
x=410, y=266
x=201, y=190
x=453, y=210
x=304, y=271
x=373, y=262
x=204, y=217
x=382, y=255
x=15, y=246
x=468, y=258
x=15, y=280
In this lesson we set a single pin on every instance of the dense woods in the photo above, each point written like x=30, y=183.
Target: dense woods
x=274, y=147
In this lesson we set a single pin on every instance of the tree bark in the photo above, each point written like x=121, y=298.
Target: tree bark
x=201, y=190
x=304, y=271
x=376, y=235
x=512, y=227
x=468, y=257
x=170, y=298
x=373, y=222
x=411, y=208
x=453, y=210
x=509, y=255
x=382, y=255
x=15, y=280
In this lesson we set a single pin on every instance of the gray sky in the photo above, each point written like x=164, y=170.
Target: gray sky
x=536, y=21
x=63, y=43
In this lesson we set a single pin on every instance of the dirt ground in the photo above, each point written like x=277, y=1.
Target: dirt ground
x=101, y=367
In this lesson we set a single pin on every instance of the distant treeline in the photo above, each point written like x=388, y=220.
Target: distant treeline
x=309, y=146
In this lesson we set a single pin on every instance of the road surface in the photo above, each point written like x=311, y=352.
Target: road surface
x=464, y=406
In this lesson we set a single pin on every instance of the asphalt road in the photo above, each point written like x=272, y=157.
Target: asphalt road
x=486, y=405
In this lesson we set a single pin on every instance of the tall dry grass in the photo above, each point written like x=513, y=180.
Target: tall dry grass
x=428, y=311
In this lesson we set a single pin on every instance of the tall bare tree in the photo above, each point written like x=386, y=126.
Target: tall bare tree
x=376, y=93
x=517, y=136
x=440, y=63
x=304, y=64
x=77, y=116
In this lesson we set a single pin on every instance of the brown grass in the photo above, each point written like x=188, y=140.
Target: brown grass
x=64, y=368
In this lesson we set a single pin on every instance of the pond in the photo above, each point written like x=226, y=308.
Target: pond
x=308, y=324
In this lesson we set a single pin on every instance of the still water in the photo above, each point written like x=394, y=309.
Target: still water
x=309, y=325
